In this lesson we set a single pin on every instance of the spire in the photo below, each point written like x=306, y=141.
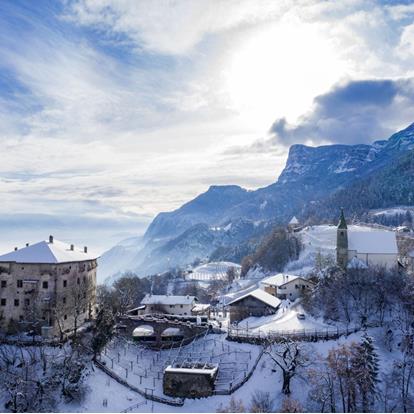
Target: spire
x=342, y=221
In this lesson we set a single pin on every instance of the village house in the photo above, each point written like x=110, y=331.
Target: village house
x=369, y=248
x=286, y=286
x=255, y=303
x=48, y=287
x=170, y=304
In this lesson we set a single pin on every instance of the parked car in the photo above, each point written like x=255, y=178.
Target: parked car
x=301, y=316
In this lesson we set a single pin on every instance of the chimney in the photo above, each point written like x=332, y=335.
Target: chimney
x=72, y=247
x=50, y=239
x=27, y=244
x=15, y=249
x=85, y=249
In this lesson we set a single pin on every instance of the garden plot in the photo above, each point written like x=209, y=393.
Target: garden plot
x=144, y=368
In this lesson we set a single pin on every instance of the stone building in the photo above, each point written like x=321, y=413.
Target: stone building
x=48, y=287
x=190, y=380
x=358, y=247
x=255, y=303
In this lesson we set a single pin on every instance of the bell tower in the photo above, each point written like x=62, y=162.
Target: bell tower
x=342, y=242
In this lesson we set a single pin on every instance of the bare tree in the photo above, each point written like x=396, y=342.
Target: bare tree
x=289, y=356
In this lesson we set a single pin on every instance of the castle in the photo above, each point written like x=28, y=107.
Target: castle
x=48, y=287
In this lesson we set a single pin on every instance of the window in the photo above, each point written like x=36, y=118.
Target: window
x=65, y=283
x=181, y=306
x=64, y=300
x=20, y=283
x=3, y=283
x=45, y=285
x=65, y=317
x=171, y=306
x=78, y=281
x=21, y=317
x=16, y=302
x=3, y=302
x=27, y=302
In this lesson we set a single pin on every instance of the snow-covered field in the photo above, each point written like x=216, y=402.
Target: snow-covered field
x=265, y=378
x=213, y=271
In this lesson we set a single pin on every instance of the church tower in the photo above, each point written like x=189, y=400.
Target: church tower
x=342, y=242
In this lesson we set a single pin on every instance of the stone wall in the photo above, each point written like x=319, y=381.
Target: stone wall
x=188, y=385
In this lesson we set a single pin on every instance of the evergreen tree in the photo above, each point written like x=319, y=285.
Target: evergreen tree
x=365, y=366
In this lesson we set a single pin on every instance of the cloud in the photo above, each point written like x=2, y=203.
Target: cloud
x=351, y=113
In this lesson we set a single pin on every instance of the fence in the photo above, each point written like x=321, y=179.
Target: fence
x=310, y=335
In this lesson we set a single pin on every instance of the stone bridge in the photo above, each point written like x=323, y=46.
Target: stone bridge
x=162, y=335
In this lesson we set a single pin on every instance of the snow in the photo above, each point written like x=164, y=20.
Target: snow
x=321, y=240
x=46, y=252
x=167, y=300
x=285, y=319
x=379, y=241
x=172, y=332
x=261, y=295
x=279, y=280
x=294, y=220
x=143, y=330
x=205, y=371
x=356, y=263
x=213, y=271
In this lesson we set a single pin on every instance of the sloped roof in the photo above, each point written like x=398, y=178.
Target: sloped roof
x=46, y=252
x=377, y=241
x=294, y=220
x=261, y=295
x=279, y=280
x=167, y=300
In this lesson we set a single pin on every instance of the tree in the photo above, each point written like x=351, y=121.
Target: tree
x=365, y=367
x=289, y=356
x=261, y=402
x=231, y=275
x=235, y=406
x=290, y=405
x=103, y=330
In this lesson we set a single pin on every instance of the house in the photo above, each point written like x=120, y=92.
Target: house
x=255, y=303
x=293, y=224
x=373, y=248
x=49, y=287
x=171, y=304
x=286, y=286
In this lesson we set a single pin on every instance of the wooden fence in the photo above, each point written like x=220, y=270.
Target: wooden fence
x=309, y=335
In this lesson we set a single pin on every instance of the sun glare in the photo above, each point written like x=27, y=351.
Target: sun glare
x=278, y=70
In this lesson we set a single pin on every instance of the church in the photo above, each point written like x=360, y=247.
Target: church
x=356, y=248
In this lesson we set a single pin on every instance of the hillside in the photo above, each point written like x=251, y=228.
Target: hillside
x=227, y=222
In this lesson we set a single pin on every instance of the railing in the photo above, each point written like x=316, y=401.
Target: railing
x=246, y=335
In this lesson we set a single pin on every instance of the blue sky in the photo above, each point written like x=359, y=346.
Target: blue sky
x=114, y=110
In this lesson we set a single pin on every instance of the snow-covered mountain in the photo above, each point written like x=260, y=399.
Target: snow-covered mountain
x=224, y=216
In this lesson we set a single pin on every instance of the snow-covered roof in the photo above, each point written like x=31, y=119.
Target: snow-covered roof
x=294, y=220
x=143, y=330
x=261, y=295
x=279, y=280
x=201, y=307
x=48, y=252
x=167, y=300
x=378, y=241
x=171, y=332
x=188, y=370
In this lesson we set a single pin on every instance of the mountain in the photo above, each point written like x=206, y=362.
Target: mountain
x=314, y=183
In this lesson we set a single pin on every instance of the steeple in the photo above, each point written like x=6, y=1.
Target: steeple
x=342, y=221
x=342, y=242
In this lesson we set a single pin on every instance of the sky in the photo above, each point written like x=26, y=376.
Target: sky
x=114, y=110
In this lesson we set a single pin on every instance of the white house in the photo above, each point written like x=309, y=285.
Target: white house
x=286, y=286
x=376, y=247
x=172, y=304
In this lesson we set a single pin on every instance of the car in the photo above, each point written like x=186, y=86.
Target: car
x=301, y=316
